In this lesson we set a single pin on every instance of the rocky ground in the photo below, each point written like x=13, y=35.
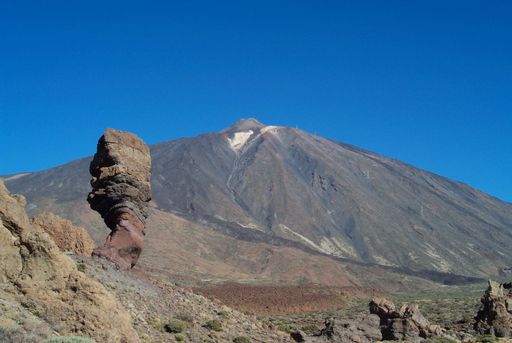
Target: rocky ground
x=45, y=293
x=156, y=305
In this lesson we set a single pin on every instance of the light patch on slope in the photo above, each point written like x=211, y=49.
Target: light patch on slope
x=329, y=247
x=345, y=247
x=17, y=176
x=270, y=128
x=239, y=139
x=383, y=261
x=247, y=226
x=439, y=262
x=285, y=228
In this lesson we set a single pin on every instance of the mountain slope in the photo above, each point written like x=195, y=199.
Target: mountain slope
x=283, y=186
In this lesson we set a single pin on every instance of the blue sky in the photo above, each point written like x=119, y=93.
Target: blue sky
x=429, y=82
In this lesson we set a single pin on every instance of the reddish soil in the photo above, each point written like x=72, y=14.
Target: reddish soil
x=272, y=300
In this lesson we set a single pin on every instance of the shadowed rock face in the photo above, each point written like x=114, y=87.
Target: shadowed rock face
x=121, y=174
x=495, y=314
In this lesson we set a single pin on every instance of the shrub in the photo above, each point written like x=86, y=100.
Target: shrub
x=241, y=339
x=486, y=339
x=288, y=328
x=69, y=339
x=179, y=337
x=186, y=317
x=442, y=340
x=81, y=267
x=223, y=313
x=157, y=324
x=311, y=329
x=175, y=326
x=214, y=325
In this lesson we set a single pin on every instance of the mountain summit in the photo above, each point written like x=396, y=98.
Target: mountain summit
x=283, y=186
x=244, y=125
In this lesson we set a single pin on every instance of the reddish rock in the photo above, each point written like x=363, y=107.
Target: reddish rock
x=121, y=182
x=68, y=237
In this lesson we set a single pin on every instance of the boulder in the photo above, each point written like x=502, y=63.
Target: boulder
x=121, y=182
x=495, y=314
x=365, y=330
x=68, y=237
x=407, y=323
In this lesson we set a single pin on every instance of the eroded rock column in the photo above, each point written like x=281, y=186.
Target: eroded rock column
x=495, y=314
x=121, y=182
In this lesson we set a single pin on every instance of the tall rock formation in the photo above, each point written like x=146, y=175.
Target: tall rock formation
x=121, y=175
x=495, y=314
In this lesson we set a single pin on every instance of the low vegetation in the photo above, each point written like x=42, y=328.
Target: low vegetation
x=442, y=340
x=288, y=327
x=214, y=325
x=311, y=329
x=450, y=307
x=186, y=317
x=69, y=339
x=179, y=337
x=487, y=339
x=175, y=326
x=241, y=339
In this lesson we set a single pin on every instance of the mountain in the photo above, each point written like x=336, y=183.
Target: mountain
x=282, y=188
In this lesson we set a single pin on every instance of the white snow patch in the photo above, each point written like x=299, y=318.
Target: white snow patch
x=239, y=139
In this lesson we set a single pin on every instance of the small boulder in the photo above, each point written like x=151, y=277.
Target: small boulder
x=365, y=330
x=68, y=237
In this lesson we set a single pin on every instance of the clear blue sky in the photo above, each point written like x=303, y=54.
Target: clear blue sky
x=427, y=82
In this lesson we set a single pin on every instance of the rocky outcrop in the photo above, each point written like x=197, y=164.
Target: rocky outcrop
x=495, y=314
x=42, y=282
x=406, y=323
x=365, y=330
x=121, y=173
x=68, y=237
